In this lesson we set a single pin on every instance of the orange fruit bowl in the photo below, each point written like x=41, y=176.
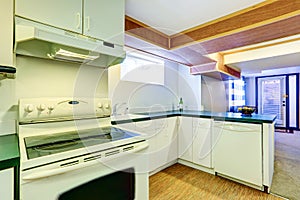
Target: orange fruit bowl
x=246, y=110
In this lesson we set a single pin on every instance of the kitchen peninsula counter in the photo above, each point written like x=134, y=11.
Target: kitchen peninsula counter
x=255, y=140
x=218, y=116
x=9, y=166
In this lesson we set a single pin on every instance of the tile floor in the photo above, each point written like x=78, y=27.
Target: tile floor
x=286, y=179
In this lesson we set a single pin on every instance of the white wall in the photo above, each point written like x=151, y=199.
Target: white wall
x=189, y=88
x=141, y=97
x=213, y=95
x=47, y=78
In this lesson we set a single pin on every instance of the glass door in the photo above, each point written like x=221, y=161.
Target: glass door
x=272, y=98
x=279, y=95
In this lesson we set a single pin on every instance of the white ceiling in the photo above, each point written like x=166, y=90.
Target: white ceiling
x=284, y=52
x=173, y=16
x=275, y=62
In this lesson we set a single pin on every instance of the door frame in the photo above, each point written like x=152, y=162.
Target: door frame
x=287, y=107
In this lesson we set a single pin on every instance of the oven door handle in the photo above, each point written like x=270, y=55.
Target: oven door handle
x=61, y=170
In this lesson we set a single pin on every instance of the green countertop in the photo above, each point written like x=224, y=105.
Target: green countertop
x=218, y=116
x=9, y=151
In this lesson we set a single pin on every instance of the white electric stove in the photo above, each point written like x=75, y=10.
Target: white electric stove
x=69, y=150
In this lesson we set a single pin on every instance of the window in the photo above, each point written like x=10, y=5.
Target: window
x=236, y=94
x=142, y=68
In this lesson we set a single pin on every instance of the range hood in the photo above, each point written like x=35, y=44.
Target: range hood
x=38, y=40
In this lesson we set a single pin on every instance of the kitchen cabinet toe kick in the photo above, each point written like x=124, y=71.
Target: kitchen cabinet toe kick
x=263, y=188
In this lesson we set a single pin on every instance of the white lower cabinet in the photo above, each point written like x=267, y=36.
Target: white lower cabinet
x=202, y=146
x=231, y=149
x=185, y=138
x=7, y=184
x=148, y=129
x=162, y=137
x=166, y=141
x=194, y=140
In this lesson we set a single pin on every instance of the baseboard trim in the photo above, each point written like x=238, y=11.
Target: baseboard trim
x=261, y=188
x=162, y=167
x=195, y=166
x=276, y=195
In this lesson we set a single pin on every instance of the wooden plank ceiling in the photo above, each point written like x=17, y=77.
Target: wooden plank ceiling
x=266, y=21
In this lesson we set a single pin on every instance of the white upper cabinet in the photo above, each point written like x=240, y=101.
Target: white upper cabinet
x=105, y=20
x=100, y=19
x=64, y=14
x=6, y=39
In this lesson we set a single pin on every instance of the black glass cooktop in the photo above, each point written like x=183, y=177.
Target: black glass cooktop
x=37, y=146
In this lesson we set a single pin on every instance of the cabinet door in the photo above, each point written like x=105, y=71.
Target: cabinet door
x=6, y=39
x=7, y=184
x=150, y=133
x=127, y=126
x=202, y=147
x=105, y=20
x=185, y=138
x=64, y=14
x=166, y=141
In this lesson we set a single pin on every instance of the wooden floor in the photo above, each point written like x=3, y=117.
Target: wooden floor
x=181, y=182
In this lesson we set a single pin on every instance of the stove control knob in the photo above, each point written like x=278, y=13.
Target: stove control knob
x=100, y=105
x=106, y=105
x=41, y=107
x=51, y=107
x=28, y=108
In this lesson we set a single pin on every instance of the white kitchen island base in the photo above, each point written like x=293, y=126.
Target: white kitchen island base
x=251, y=143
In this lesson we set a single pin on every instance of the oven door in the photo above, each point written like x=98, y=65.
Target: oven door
x=122, y=176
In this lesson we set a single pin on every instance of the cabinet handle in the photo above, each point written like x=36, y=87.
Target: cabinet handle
x=88, y=23
x=78, y=20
